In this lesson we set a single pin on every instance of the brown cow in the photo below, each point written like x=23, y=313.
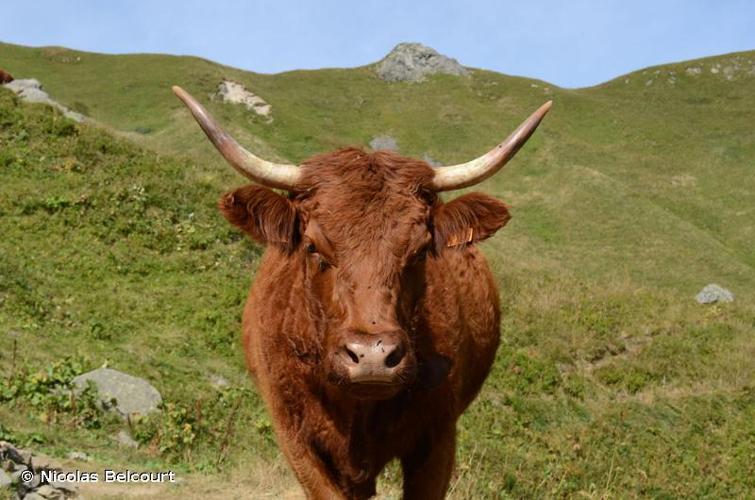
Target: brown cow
x=373, y=321
x=5, y=77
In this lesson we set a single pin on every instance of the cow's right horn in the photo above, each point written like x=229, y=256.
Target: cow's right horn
x=275, y=175
x=479, y=169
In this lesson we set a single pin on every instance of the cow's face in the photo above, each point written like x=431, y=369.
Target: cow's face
x=360, y=231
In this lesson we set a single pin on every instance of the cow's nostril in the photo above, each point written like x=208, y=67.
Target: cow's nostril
x=395, y=357
x=352, y=355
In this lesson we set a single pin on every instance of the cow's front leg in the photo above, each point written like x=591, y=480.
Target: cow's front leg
x=301, y=455
x=319, y=472
x=427, y=469
x=310, y=471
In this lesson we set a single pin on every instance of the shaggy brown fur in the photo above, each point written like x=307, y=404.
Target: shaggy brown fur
x=5, y=77
x=364, y=246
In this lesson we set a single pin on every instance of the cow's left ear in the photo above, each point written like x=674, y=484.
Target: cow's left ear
x=468, y=219
x=263, y=214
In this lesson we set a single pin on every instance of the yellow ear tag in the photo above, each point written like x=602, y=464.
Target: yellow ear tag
x=457, y=240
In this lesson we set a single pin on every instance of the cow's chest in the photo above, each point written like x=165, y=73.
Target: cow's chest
x=360, y=439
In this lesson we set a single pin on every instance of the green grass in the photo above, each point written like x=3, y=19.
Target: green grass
x=611, y=380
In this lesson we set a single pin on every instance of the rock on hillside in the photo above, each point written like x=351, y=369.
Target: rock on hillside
x=132, y=395
x=412, y=62
x=234, y=92
x=713, y=293
x=16, y=463
x=31, y=90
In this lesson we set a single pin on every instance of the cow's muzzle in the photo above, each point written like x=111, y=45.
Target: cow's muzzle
x=374, y=362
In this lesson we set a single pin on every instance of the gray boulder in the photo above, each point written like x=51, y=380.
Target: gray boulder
x=713, y=293
x=15, y=462
x=10, y=453
x=412, y=62
x=132, y=395
x=29, y=90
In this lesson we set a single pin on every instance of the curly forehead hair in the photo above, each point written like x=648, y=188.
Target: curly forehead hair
x=366, y=173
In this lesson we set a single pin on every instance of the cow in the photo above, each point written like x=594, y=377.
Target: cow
x=373, y=319
x=5, y=77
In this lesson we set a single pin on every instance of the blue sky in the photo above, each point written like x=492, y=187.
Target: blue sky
x=570, y=43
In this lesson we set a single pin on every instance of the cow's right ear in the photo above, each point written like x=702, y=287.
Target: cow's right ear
x=263, y=214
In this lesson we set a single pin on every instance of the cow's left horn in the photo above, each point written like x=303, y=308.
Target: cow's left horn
x=479, y=169
x=275, y=175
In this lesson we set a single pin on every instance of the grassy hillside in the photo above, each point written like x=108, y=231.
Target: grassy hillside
x=630, y=198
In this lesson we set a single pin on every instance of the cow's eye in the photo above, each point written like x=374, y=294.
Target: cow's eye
x=311, y=248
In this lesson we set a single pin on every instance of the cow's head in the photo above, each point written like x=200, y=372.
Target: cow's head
x=360, y=227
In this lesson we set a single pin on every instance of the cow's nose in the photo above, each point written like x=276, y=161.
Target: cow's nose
x=375, y=353
x=373, y=358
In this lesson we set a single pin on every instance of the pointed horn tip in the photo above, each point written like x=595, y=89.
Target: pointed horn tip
x=545, y=108
x=180, y=93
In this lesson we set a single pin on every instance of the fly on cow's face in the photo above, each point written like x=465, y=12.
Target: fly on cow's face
x=322, y=264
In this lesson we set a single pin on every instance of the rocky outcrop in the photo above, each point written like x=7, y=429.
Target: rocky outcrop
x=412, y=62
x=31, y=481
x=31, y=90
x=236, y=93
